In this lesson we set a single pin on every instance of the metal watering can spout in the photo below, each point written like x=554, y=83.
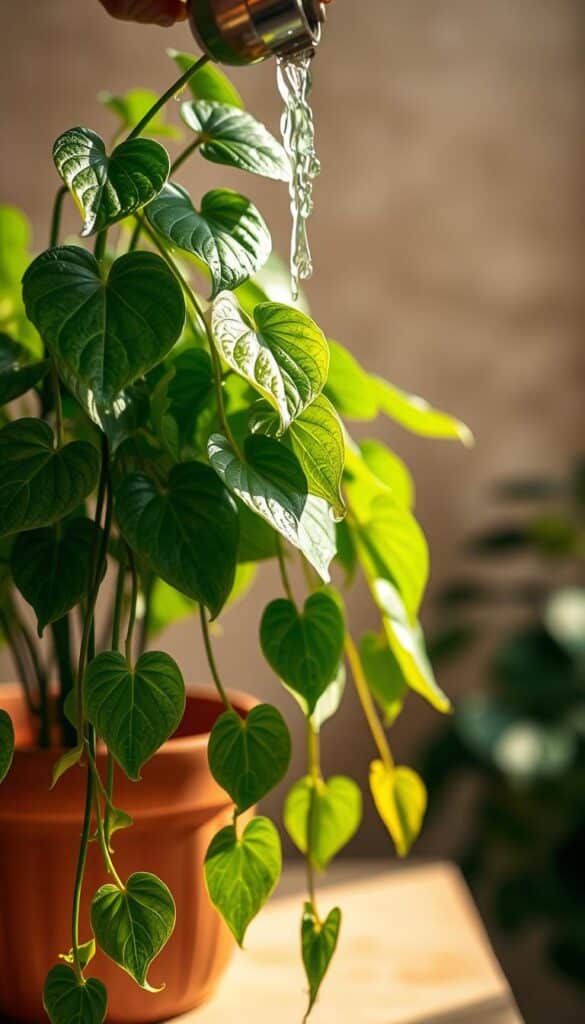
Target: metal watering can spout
x=248, y=31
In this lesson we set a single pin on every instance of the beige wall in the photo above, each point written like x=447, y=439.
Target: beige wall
x=448, y=240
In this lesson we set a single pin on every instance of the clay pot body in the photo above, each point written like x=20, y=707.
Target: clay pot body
x=177, y=808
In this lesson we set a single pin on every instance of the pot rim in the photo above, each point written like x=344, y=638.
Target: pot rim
x=241, y=700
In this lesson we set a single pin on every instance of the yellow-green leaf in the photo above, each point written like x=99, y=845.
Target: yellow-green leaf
x=417, y=415
x=401, y=800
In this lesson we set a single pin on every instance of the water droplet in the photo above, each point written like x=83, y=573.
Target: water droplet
x=298, y=134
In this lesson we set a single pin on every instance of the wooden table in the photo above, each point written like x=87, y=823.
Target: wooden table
x=412, y=951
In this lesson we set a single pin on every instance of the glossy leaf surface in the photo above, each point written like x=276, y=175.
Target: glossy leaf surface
x=67, y=1000
x=108, y=188
x=304, y=648
x=248, y=757
x=17, y=373
x=187, y=534
x=401, y=800
x=228, y=233
x=39, y=483
x=231, y=136
x=132, y=926
x=336, y=815
x=241, y=873
x=134, y=710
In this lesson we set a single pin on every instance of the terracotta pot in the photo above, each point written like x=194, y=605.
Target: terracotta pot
x=177, y=808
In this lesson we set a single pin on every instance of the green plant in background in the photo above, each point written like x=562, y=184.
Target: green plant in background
x=522, y=735
x=167, y=422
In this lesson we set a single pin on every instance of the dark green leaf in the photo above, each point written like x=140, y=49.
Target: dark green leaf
x=132, y=925
x=134, y=710
x=39, y=483
x=67, y=999
x=248, y=757
x=282, y=353
x=228, y=233
x=103, y=334
x=6, y=743
x=187, y=534
x=51, y=567
x=131, y=108
x=242, y=872
x=336, y=806
x=209, y=83
x=383, y=674
x=17, y=374
x=109, y=188
x=401, y=799
x=230, y=136
x=349, y=387
x=305, y=648
x=319, y=942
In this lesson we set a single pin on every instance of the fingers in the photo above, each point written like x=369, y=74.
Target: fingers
x=154, y=12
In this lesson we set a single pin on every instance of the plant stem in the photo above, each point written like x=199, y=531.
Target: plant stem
x=283, y=569
x=217, y=375
x=211, y=659
x=145, y=620
x=80, y=871
x=56, y=387
x=56, y=218
x=185, y=154
x=367, y=703
x=99, y=249
x=110, y=868
x=315, y=776
x=119, y=601
x=133, y=603
x=168, y=95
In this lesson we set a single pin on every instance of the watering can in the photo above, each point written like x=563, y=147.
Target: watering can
x=248, y=31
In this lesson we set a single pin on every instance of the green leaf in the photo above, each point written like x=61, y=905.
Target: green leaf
x=15, y=237
x=383, y=674
x=134, y=710
x=389, y=470
x=318, y=942
x=330, y=700
x=71, y=757
x=6, y=743
x=132, y=925
x=241, y=873
x=281, y=353
x=109, y=188
x=305, y=648
x=248, y=757
x=336, y=816
x=188, y=534
x=39, y=483
x=131, y=107
x=86, y=953
x=401, y=800
x=103, y=334
x=349, y=387
x=406, y=641
x=391, y=544
x=229, y=234
x=51, y=567
x=209, y=83
x=67, y=999
x=231, y=136
x=17, y=374
x=415, y=414
x=189, y=389
x=317, y=440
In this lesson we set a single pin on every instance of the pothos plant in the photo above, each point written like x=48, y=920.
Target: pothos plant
x=180, y=428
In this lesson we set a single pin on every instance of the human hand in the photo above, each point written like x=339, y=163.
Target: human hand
x=153, y=12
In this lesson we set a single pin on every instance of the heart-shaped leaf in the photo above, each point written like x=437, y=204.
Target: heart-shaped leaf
x=109, y=188
x=401, y=800
x=103, y=334
x=318, y=943
x=383, y=674
x=272, y=484
x=407, y=643
x=134, y=710
x=241, y=873
x=17, y=374
x=6, y=743
x=67, y=999
x=233, y=137
x=39, y=483
x=228, y=234
x=304, y=648
x=133, y=924
x=336, y=806
x=281, y=353
x=188, y=534
x=51, y=567
x=415, y=414
x=248, y=757
x=210, y=83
